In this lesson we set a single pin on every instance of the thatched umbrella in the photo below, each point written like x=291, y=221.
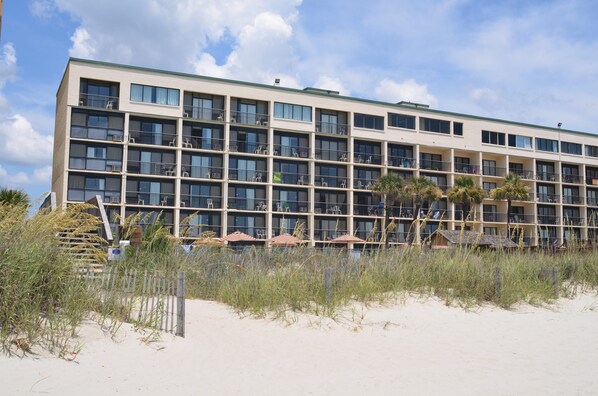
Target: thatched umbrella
x=346, y=239
x=285, y=240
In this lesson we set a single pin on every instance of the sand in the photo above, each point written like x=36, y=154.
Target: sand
x=413, y=347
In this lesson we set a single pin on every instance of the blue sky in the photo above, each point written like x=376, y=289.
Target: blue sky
x=528, y=61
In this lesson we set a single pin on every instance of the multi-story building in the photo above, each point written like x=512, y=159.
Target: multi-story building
x=222, y=155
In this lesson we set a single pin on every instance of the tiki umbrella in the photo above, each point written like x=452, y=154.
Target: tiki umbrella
x=346, y=239
x=238, y=236
x=285, y=240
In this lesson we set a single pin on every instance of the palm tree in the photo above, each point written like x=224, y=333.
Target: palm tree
x=512, y=189
x=13, y=197
x=466, y=193
x=417, y=191
x=390, y=190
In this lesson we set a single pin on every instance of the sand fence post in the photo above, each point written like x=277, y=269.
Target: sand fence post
x=328, y=283
x=180, y=304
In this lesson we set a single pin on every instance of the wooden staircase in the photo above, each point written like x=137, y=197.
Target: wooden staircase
x=88, y=249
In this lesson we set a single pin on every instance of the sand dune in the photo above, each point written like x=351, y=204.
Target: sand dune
x=410, y=347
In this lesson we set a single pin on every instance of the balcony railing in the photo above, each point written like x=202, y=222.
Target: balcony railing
x=573, y=179
x=493, y=217
x=550, y=198
x=111, y=135
x=523, y=174
x=402, y=162
x=435, y=165
x=573, y=221
x=290, y=206
x=366, y=158
x=547, y=176
x=549, y=220
x=149, y=198
x=521, y=218
x=333, y=128
x=291, y=151
x=204, y=172
x=301, y=179
x=259, y=204
x=256, y=232
x=467, y=168
x=330, y=208
x=151, y=168
x=84, y=195
x=248, y=147
x=363, y=184
x=203, y=143
x=494, y=171
x=98, y=101
x=326, y=234
x=255, y=176
x=368, y=210
x=204, y=113
x=292, y=231
x=592, y=201
x=369, y=236
x=95, y=164
x=200, y=201
x=239, y=117
x=161, y=139
x=332, y=155
x=572, y=200
x=331, y=181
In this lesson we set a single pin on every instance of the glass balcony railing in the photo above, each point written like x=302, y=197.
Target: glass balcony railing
x=363, y=183
x=204, y=113
x=573, y=179
x=331, y=208
x=548, y=220
x=151, y=168
x=368, y=210
x=332, y=128
x=112, y=135
x=523, y=174
x=326, y=234
x=239, y=117
x=332, y=155
x=240, y=203
x=547, y=176
x=202, y=143
x=435, y=165
x=573, y=221
x=200, y=201
x=255, y=176
x=301, y=179
x=572, y=200
x=153, y=138
x=521, y=218
x=248, y=147
x=331, y=181
x=96, y=164
x=365, y=158
x=402, y=162
x=195, y=231
x=203, y=172
x=494, y=171
x=149, y=198
x=98, y=101
x=290, y=206
x=291, y=151
x=84, y=195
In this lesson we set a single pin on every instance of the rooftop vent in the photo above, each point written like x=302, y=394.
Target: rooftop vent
x=413, y=104
x=322, y=91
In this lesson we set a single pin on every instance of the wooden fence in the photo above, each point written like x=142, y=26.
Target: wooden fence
x=150, y=299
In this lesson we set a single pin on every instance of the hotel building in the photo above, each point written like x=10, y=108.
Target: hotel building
x=219, y=155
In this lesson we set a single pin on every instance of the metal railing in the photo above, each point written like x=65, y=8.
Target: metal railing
x=239, y=117
x=363, y=184
x=149, y=198
x=524, y=174
x=98, y=101
x=151, y=168
x=248, y=147
x=200, y=143
x=592, y=201
x=160, y=139
x=467, y=168
x=204, y=113
x=290, y=206
x=550, y=220
x=366, y=158
x=493, y=171
x=550, y=198
x=250, y=175
x=259, y=204
x=435, y=165
x=493, y=217
x=332, y=155
x=301, y=179
x=291, y=151
x=573, y=200
x=402, y=162
x=200, y=201
x=547, y=176
x=331, y=181
x=330, y=208
x=204, y=172
x=96, y=164
x=573, y=179
x=332, y=128
x=84, y=195
x=521, y=218
x=574, y=221
x=368, y=210
x=111, y=135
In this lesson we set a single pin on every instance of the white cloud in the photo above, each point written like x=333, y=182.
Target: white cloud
x=21, y=179
x=331, y=83
x=21, y=144
x=83, y=47
x=42, y=8
x=408, y=90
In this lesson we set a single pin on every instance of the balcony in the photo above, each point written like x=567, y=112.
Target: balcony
x=331, y=181
x=149, y=198
x=547, y=176
x=573, y=179
x=402, y=162
x=369, y=159
x=332, y=155
x=204, y=172
x=572, y=200
x=203, y=143
x=256, y=232
x=95, y=164
x=363, y=184
x=332, y=128
x=494, y=171
x=290, y=206
x=592, y=201
x=368, y=210
x=151, y=168
x=521, y=219
x=467, y=169
x=153, y=138
x=326, y=234
x=98, y=101
x=549, y=220
x=111, y=135
x=204, y=113
x=253, y=204
x=523, y=174
x=369, y=236
x=301, y=179
x=549, y=198
x=493, y=217
x=254, y=119
x=255, y=176
x=291, y=151
x=200, y=201
x=248, y=147
x=84, y=195
x=331, y=208
x=573, y=221
x=435, y=165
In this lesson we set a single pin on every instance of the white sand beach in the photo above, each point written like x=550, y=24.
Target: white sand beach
x=413, y=347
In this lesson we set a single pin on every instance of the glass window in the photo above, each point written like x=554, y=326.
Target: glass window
x=157, y=95
x=401, y=121
x=547, y=145
x=497, y=138
x=292, y=111
x=591, y=151
x=369, y=121
x=520, y=141
x=458, y=128
x=571, y=148
x=432, y=125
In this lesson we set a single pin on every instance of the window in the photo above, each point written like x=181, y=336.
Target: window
x=432, y=125
x=401, y=121
x=157, y=95
x=493, y=138
x=571, y=148
x=591, y=151
x=369, y=121
x=292, y=111
x=520, y=141
x=458, y=128
x=547, y=145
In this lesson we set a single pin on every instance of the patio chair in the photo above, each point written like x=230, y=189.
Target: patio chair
x=210, y=203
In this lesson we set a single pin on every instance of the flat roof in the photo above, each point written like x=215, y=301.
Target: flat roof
x=326, y=93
